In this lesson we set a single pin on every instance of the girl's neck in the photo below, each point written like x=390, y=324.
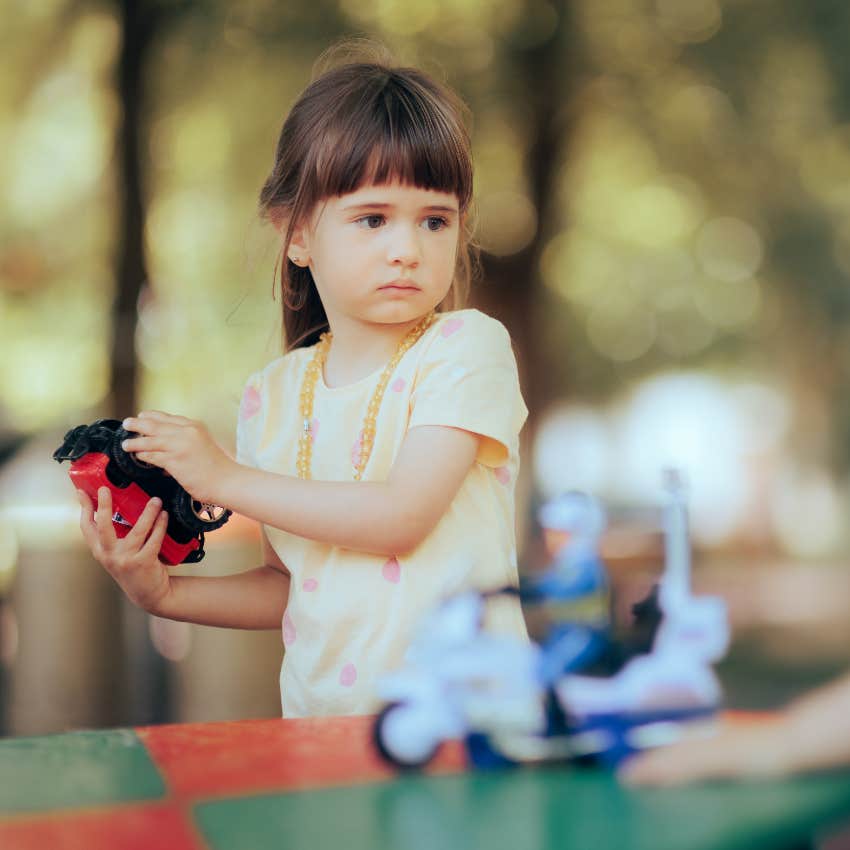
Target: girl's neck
x=359, y=349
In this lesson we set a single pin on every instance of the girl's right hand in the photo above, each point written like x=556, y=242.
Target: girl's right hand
x=133, y=561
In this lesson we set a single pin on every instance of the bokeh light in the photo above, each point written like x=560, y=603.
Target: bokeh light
x=572, y=451
x=507, y=222
x=729, y=249
x=807, y=511
x=689, y=21
x=723, y=436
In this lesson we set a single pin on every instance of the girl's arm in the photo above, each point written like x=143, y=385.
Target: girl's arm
x=388, y=517
x=250, y=600
x=255, y=599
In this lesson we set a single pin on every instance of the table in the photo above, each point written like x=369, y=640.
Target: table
x=316, y=783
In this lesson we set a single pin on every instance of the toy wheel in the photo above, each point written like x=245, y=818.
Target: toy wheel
x=127, y=462
x=401, y=737
x=196, y=516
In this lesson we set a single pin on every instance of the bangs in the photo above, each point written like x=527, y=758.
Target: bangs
x=359, y=124
x=394, y=130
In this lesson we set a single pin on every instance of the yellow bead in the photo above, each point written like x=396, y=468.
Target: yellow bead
x=307, y=397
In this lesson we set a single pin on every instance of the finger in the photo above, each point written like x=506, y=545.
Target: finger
x=104, y=503
x=154, y=543
x=87, y=525
x=151, y=425
x=145, y=443
x=103, y=518
x=641, y=770
x=159, y=459
x=139, y=425
x=139, y=532
x=86, y=505
x=674, y=765
x=166, y=418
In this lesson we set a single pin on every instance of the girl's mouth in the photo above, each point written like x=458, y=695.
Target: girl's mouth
x=400, y=286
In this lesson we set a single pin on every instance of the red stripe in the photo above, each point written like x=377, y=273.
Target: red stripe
x=127, y=827
x=215, y=759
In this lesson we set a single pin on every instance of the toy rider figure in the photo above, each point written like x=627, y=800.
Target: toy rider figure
x=568, y=603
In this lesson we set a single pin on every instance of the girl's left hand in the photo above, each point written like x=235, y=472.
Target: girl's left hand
x=182, y=447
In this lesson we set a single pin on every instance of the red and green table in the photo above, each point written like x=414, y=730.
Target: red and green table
x=317, y=784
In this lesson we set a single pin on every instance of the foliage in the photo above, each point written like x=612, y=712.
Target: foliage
x=692, y=210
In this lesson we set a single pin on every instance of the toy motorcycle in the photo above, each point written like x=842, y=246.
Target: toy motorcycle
x=458, y=679
x=98, y=460
x=514, y=702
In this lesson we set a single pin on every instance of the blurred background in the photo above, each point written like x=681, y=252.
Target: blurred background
x=663, y=200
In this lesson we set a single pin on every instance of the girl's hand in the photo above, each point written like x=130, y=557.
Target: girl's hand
x=182, y=447
x=133, y=561
x=739, y=750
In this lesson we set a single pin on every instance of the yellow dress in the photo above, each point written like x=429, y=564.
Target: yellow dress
x=351, y=615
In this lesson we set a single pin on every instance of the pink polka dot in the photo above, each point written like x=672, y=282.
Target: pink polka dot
x=310, y=584
x=503, y=474
x=251, y=403
x=391, y=571
x=398, y=385
x=450, y=327
x=314, y=430
x=356, y=449
x=348, y=675
x=289, y=634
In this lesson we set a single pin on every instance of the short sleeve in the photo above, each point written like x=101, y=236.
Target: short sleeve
x=468, y=379
x=249, y=421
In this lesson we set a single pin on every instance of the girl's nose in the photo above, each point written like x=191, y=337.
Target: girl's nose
x=404, y=247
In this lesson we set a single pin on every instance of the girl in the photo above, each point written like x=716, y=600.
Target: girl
x=380, y=452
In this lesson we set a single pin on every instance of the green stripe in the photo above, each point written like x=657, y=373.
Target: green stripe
x=74, y=770
x=535, y=808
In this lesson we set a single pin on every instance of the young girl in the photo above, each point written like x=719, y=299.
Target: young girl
x=380, y=452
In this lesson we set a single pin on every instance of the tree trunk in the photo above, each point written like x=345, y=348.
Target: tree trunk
x=138, y=27
x=512, y=286
x=144, y=686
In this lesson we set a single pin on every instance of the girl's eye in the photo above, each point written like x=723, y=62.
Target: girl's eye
x=436, y=223
x=370, y=222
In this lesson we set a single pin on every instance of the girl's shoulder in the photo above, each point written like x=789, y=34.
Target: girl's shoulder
x=282, y=369
x=468, y=329
x=468, y=316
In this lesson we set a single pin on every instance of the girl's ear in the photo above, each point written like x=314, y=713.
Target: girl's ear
x=298, y=250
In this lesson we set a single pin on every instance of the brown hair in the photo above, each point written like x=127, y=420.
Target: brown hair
x=364, y=122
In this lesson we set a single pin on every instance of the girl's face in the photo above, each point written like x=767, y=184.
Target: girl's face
x=381, y=254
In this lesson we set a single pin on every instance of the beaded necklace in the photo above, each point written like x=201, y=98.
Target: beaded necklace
x=308, y=390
